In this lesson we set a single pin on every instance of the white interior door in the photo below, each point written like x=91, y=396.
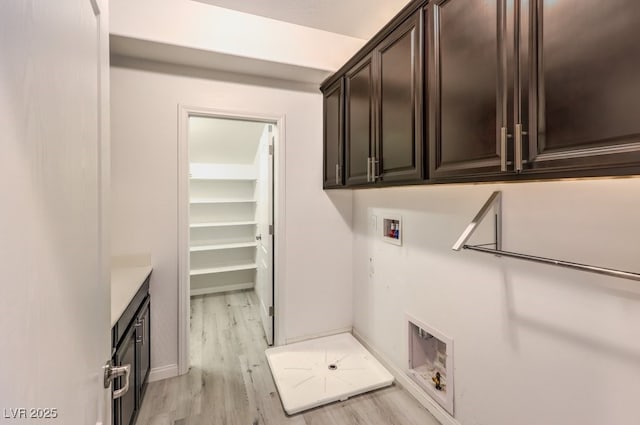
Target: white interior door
x=264, y=257
x=54, y=296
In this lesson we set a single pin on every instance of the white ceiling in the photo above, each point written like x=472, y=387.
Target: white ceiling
x=355, y=18
x=223, y=141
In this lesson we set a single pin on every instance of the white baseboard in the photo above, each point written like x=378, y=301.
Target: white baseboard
x=163, y=372
x=430, y=404
x=218, y=289
x=318, y=335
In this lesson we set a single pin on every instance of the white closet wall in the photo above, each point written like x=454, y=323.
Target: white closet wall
x=222, y=193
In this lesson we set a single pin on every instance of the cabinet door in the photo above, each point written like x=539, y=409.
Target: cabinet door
x=359, y=122
x=467, y=88
x=126, y=406
x=333, y=136
x=587, y=90
x=143, y=350
x=399, y=103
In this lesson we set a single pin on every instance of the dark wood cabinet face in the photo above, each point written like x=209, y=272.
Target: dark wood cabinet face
x=358, y=122
x=333, y=130
x=468, y=101
x=511, y=90
x=125, y=407
x=144, y=350
x=588, y=91
x=131, y=339
x=400, y=139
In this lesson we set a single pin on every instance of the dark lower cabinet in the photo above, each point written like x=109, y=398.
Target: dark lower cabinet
x=125, y=407
x=143, y=349
x=334, y=136
x=132, y=346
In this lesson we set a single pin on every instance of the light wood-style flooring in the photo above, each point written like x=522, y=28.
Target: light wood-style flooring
x=230, y=382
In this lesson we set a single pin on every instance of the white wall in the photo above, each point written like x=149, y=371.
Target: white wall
x=221, y=141
x=210, y=28
x=145, y=99
x=533, y=344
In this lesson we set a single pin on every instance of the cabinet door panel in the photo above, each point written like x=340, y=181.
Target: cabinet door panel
x=400, y=103
x=143, y=351
x=358, y=121
x=587, y=87
x=126, y=406
x=469, y=104
x=333, y=131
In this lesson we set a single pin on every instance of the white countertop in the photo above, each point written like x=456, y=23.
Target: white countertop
x=125, y=282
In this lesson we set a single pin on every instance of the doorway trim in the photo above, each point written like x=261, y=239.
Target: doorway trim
x=184, y=112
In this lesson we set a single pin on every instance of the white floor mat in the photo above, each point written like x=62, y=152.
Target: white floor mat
x=312, y=373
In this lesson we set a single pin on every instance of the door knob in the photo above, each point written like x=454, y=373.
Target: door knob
x=111, y=372
x=258, y=237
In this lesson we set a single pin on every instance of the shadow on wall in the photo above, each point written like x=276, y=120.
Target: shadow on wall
x=119, y=61
x=342, y=201
x=590, y=338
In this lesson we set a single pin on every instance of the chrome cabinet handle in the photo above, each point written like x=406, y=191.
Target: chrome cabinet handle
x=374, y=169
x=369, y=169
x=503, y=149
x=517, y=149
x=337, y=173
x=140, y=324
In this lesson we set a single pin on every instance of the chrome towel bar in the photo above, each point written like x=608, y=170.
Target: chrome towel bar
x=495, y=202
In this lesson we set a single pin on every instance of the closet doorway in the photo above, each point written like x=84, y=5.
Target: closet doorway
x=228, y=254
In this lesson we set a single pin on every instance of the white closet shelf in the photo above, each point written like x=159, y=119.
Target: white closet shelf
x=223, y=201
x=223, y=224
x=223, y=269
x=223, y=288
x=215, y=247
x=224, y=179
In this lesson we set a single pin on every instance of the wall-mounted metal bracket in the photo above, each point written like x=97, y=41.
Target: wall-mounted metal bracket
x=495, y=202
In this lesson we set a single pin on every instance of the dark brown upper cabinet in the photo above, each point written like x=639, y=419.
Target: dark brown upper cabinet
x=333, y=135
x=383, y=110
x=492, y=91
x=467, y=113
x=400, y=141
x=359, y=118
x=515, y=93
x=585, y=63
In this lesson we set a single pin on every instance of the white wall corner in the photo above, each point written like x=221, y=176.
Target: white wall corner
x=163, y=372
x=403, y=379
x=319, y=335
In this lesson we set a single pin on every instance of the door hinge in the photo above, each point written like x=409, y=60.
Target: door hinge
x=271, y=229
x=270, y=149
x=270, y=311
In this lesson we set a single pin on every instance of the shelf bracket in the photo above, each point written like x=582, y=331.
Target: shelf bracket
x=495, y=202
